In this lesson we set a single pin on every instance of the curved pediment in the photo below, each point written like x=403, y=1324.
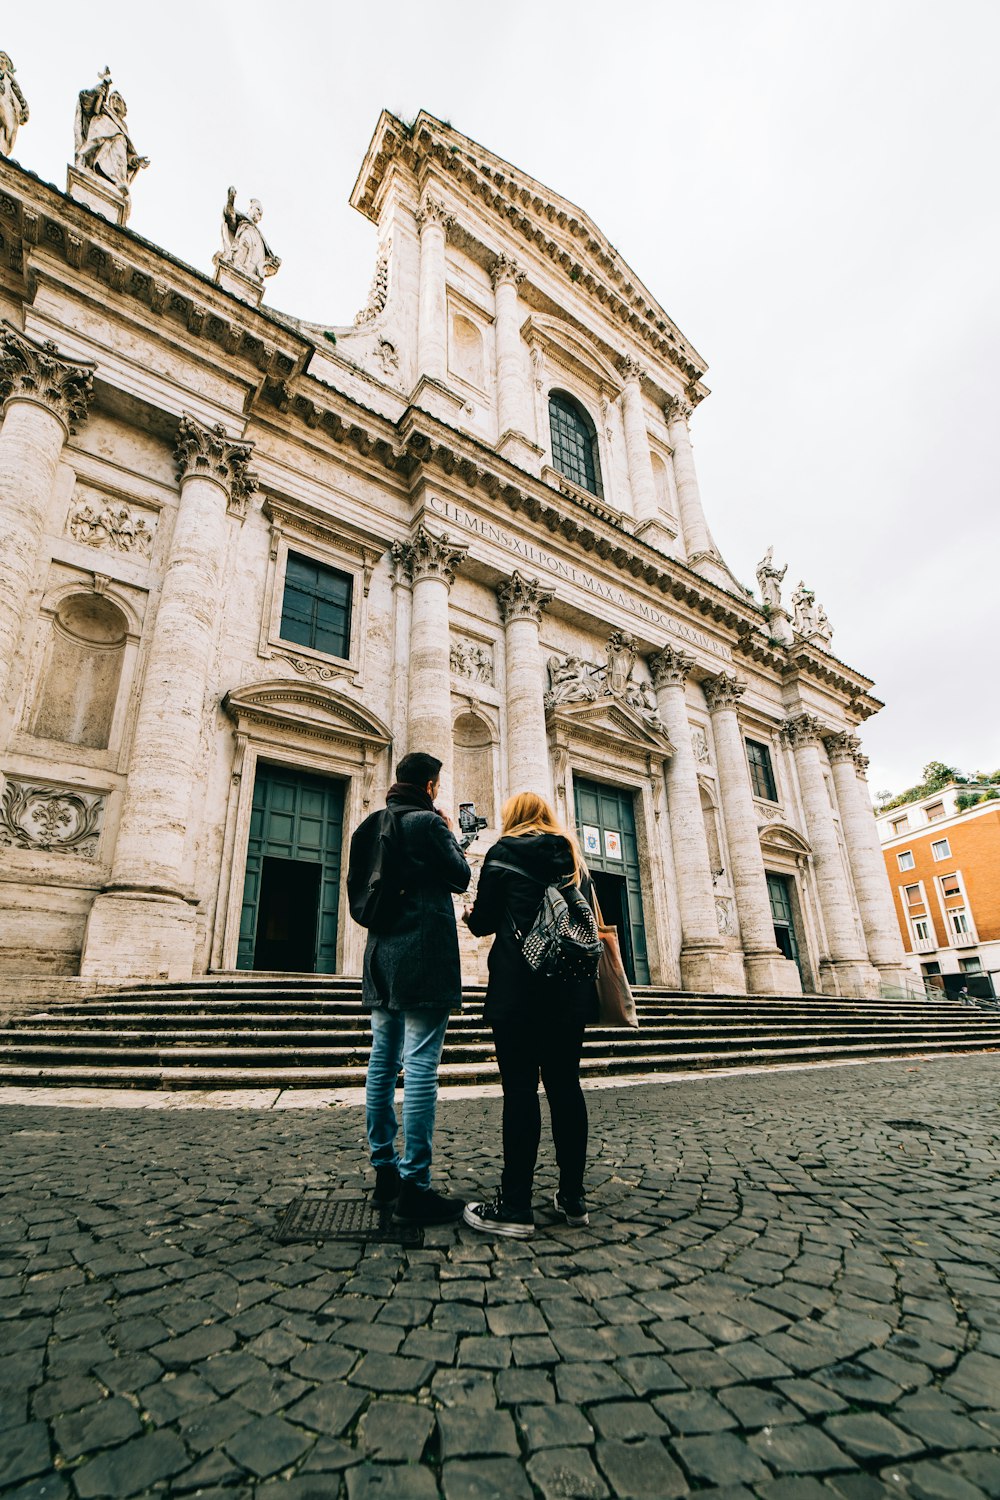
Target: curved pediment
x=306, y=708
x=610, y=724
x=562, y=337
x=781, y=838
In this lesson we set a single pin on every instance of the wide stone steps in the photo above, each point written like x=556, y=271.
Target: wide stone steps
x=309, y=1031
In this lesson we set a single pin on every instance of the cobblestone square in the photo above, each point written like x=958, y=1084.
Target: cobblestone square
x=790, y=1287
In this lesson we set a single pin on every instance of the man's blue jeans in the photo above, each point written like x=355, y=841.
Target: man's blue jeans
x=415, y=1037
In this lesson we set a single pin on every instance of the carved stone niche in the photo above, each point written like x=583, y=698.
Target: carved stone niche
x=110, y=525
x=50, y=819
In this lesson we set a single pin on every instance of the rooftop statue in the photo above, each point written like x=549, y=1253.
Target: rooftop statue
x=103, y=145
x=244, y=248
x=13, y=106
x=769, y=579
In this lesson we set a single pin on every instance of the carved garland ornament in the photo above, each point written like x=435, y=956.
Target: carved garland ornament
x=53, y=819
x=38, y=372
x=209, y=453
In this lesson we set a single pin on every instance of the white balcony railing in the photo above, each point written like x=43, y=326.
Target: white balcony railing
x=924, y=945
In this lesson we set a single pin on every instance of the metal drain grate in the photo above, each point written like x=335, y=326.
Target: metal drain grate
x=317, y=1216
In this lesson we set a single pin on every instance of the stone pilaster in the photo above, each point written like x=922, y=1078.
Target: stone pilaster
x=45, y=397
x=521, y=602
x=430, y=563
x=871, y=884
x=702, y=553
x=432, y=317
x=706, y=965
x=640, y=464
x=768, y=971
x=847, y=970
x=143, y=923
x=513, y=398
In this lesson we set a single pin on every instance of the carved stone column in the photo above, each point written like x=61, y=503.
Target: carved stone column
x=847, y=970
x=143, y=923
x=871, y=884
x=521, y=603
x=640, y=464
x=45, y=398
x=706, y=964
x=430, y=562
x=768, y=971
x=513, y=404
x=432, y=317
x=702, y=553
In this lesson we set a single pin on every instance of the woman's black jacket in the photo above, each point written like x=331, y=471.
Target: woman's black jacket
x=514, y=991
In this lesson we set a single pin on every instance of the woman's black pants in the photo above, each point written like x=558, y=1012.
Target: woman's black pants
x=550, y=1046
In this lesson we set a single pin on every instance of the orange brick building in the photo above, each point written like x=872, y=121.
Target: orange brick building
x=944, y=871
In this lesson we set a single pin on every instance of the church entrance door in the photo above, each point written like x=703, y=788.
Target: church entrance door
x=783, y=916
x=605, y=820
x=291, y=895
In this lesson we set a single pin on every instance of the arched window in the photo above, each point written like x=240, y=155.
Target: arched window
x=574, y=442
x=79, y=687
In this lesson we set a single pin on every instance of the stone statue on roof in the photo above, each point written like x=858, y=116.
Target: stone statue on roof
x=769, y=579
x=103, y=146
x=244, y=248
x=13, y=106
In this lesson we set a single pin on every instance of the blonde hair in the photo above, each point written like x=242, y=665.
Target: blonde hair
x=526, y=812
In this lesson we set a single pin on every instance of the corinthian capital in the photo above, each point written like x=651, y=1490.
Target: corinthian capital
x=802, y=729
x=39, y=373
x=676, y=410
x=433, y=211
x=629, y=368
x=841, y=747
x=670, y=667
x=209, y=453
x=428, y=556
x=506, y=269
x=522, y=598
x=723, y=691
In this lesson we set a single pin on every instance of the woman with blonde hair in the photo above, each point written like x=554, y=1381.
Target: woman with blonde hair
x=537, y=1022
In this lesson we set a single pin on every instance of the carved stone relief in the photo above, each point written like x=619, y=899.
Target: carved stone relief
x=724, y=916
x=471, y=659
x=378, y=292
x=52, y=819
x=699, y=744
x=110, y=525
x=318, y=670
x=572, y=679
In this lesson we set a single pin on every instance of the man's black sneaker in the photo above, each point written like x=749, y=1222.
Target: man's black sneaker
x=423, y=1206
x=498, y=1218
x=387, y=1181
x=573, y=1210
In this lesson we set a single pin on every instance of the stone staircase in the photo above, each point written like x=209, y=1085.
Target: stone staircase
x=240, y=1031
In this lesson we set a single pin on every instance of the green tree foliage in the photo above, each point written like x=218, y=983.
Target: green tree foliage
x=984, y=787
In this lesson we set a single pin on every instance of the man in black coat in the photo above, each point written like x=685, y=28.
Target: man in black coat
x=412, y=981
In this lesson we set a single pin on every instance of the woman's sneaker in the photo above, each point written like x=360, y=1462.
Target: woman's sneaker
x=497, y=1218
x=573, y=1210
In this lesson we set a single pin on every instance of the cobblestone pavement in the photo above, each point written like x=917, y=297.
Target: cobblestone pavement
x=789, y=1289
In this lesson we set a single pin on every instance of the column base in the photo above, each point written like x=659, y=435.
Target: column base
x=898, y=977
x=769, y=974
x=851, y=979
x=712, y=971
x=135, y=934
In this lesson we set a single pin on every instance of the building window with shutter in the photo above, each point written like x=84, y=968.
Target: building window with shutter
x=316, y=607
x=761, y=772
x=574, y=442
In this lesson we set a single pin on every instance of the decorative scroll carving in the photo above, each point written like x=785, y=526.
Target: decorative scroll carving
x=244, y=248
x=769, y=579
x=574, y=680
x=630, y=368
x=13, y=106
x=699, y=744
x=316, y=669
x=505, y=268
x=841, y=747
x=38, y=372
x=428, y=556
x=522, y=598
x=209, y=453
x=470, y=659
x=723, y=691
x=676, y=410
x=110, y=526
x=670, y=667
x=378, y=292
x=433, y=211
x=53, y=819
x=103, y=145
x=802, y=729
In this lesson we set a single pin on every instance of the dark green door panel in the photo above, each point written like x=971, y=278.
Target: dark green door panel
x=611, y=811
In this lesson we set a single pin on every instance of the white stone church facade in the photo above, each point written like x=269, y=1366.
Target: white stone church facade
x=247, y=561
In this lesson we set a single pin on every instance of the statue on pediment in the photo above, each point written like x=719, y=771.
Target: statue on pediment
x=571, y=680
x=823, y=627
x=804, y=606
x=621, y=653
x=769, y=580
x=13, y=106
x=103, y=145
x=244, y=248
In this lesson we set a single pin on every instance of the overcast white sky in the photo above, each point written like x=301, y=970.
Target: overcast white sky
x=809, y=190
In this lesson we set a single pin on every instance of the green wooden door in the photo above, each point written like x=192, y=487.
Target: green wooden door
x=605, y=822
x=300, y=818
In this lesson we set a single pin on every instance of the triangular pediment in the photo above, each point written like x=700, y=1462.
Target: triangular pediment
x=610, y=724
x=306, y=708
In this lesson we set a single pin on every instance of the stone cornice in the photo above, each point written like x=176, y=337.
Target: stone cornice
x=522, y=598
x=544, y=220
x=35, y=372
